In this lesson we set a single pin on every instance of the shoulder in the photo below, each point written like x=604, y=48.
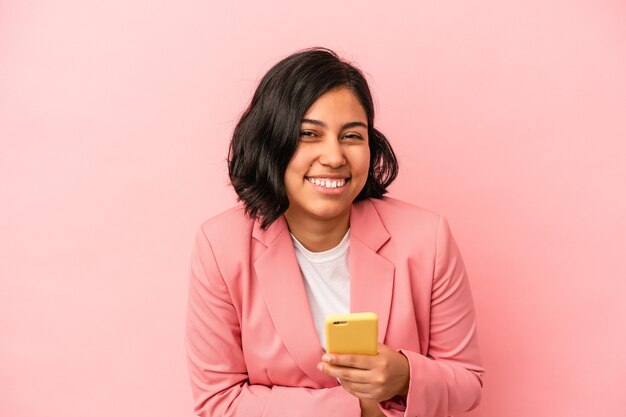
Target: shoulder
x=222, y=243
x=394, y=211
x=228, y=226
x=407, y=223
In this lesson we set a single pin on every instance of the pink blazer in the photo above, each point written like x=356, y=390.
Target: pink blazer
x=251, y=342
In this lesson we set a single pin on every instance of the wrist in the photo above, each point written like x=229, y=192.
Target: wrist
x=406, y=378
x=370, y=408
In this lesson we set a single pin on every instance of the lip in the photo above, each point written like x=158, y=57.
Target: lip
x=330, y=177
x=328, y=191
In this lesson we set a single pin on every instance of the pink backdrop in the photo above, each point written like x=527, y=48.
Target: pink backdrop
x=508, y=117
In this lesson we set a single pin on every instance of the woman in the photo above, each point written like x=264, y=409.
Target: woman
x=313, y=236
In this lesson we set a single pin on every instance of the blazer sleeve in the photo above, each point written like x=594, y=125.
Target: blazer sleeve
x=217, y=367
x=448, y=379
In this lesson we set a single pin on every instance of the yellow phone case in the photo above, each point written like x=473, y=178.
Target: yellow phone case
x=352, y=333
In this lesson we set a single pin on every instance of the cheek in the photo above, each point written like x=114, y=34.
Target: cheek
x=295, y=171
x=300, y=162
x=362, y=162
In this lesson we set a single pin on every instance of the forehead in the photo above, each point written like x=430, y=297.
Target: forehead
x=340, y=103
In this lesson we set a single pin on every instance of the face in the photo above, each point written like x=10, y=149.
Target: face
x=331, y=163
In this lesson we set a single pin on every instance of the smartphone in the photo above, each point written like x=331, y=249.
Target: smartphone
x=352, y=333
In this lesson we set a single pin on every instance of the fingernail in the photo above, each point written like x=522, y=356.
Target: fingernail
x=320, y=366
x=326, y=358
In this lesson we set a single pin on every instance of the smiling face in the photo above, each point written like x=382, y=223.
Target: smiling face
x=331, y=163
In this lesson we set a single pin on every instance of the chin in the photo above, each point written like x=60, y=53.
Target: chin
x=329, y=213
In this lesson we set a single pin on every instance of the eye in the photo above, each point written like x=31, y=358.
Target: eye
x=353, y=136
x=307, y=134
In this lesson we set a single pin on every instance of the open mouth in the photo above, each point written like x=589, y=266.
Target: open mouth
x=328, y=183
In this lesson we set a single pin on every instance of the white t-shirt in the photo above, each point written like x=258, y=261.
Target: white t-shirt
x=326, y=280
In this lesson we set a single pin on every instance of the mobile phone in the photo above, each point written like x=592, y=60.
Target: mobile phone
x=352, y=333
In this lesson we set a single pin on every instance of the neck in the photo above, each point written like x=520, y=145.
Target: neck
x=318, y=235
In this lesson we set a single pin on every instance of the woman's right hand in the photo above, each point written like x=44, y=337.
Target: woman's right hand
x=370, y=408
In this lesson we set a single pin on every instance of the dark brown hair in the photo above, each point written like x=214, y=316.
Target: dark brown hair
x=267, y=134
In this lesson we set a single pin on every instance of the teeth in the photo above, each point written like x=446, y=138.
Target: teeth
x=327, y=183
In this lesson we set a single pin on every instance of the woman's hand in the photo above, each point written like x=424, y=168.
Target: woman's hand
x=370, y=377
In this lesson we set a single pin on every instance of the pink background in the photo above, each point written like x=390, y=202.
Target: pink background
x=508, y=117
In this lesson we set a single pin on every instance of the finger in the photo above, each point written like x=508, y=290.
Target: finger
x=359, y=390
x=345, y=373
x=348, y=360
x=367, y=391
x=362, y=388
x=361, y=393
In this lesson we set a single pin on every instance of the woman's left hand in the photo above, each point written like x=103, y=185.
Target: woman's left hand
x=370, y=377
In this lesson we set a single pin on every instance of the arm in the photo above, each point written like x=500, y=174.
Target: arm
x=445, y=381
x=216, y=363
x=448, y=380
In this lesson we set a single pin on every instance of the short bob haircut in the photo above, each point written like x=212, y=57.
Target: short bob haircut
x=267, y=134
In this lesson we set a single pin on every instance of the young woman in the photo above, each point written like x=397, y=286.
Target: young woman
x=312, y=236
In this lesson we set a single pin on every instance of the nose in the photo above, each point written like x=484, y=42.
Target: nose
x=331, y=153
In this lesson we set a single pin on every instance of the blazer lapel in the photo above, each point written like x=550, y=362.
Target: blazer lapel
x=280, y=280
x=371, y=275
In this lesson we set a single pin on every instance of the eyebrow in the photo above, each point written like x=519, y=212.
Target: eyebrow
x=343, y=126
